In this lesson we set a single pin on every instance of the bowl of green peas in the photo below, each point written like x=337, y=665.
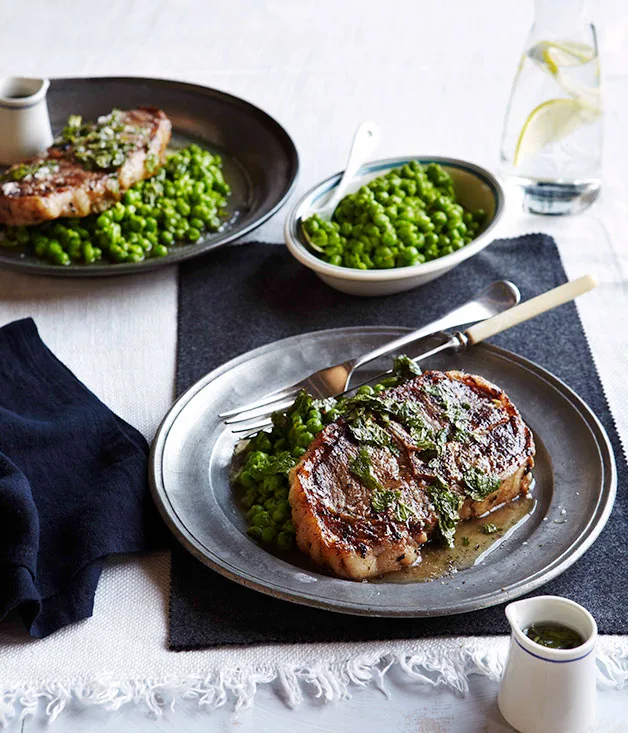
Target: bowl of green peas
x=404, y=222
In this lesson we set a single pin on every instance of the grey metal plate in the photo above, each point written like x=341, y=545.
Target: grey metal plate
x=260, y=160
x=575, y=469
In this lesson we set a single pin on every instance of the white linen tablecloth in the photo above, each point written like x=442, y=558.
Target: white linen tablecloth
x=436, y=78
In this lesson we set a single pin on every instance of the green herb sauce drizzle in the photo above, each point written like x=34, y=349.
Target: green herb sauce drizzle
x=490, y=528
x=29, y=170
x=478, y=484
x=447, y=506
x=103, y=145
x=455, y=411
x=362, y=468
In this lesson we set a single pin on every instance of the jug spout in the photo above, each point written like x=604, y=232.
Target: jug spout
x=512, y=612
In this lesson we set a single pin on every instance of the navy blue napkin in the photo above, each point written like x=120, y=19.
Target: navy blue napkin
x=73, y=486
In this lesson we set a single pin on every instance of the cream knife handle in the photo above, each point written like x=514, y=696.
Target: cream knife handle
x=530, y=309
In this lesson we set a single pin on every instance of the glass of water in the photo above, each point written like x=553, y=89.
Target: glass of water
x=552, y=141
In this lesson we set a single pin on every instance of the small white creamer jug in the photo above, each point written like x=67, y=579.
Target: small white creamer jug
x=547, y=690
x=24, y=120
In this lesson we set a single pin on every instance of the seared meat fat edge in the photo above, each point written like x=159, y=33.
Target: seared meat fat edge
x=406, y=465
x=88, y=169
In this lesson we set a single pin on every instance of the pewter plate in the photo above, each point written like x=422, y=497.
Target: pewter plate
x=260, y=161
x=575, y=470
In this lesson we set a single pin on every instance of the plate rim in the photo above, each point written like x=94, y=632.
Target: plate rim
x=185, y=253
x=587, y=537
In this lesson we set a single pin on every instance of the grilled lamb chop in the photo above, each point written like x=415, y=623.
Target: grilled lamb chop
x=88, y=168
x=377, y=484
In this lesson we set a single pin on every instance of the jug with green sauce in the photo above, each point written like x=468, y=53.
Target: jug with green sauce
x=549, y=678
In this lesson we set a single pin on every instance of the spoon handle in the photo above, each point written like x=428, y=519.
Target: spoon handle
x=530, y=309
x=365, y=141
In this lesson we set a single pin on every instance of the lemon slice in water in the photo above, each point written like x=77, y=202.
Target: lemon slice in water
x=548, y=123
x=557, y=58
x=554, y=54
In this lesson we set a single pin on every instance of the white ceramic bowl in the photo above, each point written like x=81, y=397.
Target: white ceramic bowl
x=475, y=188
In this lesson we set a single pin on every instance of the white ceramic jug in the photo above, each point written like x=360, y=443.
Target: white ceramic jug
x=24, y=120
x=547, y=690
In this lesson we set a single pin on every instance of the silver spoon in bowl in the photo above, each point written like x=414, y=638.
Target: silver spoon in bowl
x=365, y=141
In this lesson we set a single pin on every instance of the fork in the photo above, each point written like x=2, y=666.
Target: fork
x=460, y=341
x=494, y=299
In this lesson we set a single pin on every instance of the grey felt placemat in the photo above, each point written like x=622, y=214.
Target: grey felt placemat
x=243, y=297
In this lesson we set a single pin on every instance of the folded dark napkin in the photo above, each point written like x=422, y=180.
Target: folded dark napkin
x=244, y=297
x=73, y=486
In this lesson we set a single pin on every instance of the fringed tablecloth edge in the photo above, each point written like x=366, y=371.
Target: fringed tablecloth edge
x=330, y=680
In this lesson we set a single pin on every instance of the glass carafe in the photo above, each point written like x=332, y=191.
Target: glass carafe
x=552, y=141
